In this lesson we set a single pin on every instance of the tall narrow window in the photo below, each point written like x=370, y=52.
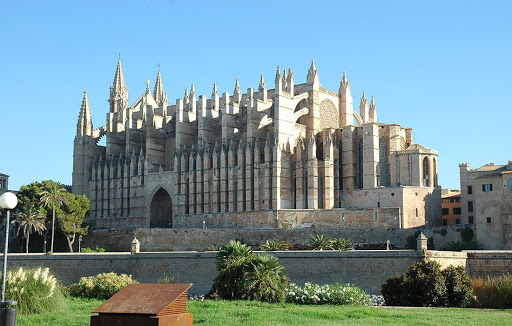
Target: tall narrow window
x=360, y=174
x=320, y=190
x=383, y=162
x=434, y=171
x=470, y=190
x=470, y=206
x=426, y=172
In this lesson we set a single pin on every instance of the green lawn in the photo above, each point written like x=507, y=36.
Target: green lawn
x=246, y=313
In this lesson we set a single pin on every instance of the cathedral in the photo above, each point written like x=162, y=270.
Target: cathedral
x=289, y=156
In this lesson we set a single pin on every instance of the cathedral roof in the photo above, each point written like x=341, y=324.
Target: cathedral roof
x=416, y=147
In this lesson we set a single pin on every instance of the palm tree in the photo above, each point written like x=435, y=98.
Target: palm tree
x=55, y=195
x=30, y=219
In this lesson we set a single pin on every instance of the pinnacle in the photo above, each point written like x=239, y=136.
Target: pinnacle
x=158, y=92
x=313, y=67
x=214, y=91
x=237, y=87
x=262, y=83
x=119, y=83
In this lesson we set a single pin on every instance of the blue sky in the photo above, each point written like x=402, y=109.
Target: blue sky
x=443, y=68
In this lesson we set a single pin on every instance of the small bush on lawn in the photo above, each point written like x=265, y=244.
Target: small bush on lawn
x=101, y=286
x=35, y=290
x=244, y=275
x=459, y=291
x=264, y=279
x=342, y=244
x=493, y=292
x=272, y=245
x=424, y=284
x=336, y=294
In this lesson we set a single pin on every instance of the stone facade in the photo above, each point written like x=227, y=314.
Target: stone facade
x=266, y=158
x=486, y=199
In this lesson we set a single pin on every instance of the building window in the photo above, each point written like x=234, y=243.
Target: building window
x=487, y=187
x=489, y=220
x=457, y=221
x=383, y=162
x=470, y=190
x=426, y=172
x=417, y=213
x=376, y=215
x=446, y=211
x=470, y=220
x=470, y=206
x=456, y=211
x=510, y=184
x=445, y=222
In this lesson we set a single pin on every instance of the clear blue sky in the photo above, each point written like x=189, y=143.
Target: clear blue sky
x=443, y=68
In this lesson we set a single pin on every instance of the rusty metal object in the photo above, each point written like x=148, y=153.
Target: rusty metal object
x=145, y=304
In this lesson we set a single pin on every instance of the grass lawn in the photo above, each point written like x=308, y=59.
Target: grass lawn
x=246, y=313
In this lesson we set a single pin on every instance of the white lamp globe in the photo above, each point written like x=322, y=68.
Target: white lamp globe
x=8, y=200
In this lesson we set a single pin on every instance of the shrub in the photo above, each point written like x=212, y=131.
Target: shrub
x=461, y=245
x=264, y=279
x=35, y=290
x=272, y=245
x=342, y=244
x=320, y=242
x=458, y=287
x=101, y=286
x=422, y=285
x=97, y=249
x=335, y=294
x=244, y=275
x=444, y=232
x=493, y=292
x=230, y=262
x=167, y=280
x=466, y=234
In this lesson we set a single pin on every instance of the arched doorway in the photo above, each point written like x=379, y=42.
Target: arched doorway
x=161, y=210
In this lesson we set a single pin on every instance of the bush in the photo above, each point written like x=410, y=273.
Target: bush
x=335, y=294
x=425, y=284
x=422, y=285
x=35, y=290
x=244, y=275
x=89, y=250
x=444, y=232
x=342, y=244
x=264, y=279
x=274, y=246
x=320, y=242
x=167, y=280
x=494, y=292
x=101, y=286
x=230, y=262
x=466, y=234
x=461, y=245
x=459, y=291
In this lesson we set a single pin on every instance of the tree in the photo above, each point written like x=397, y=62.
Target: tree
x=54, y=195
x=31, y=218
x=71, y=216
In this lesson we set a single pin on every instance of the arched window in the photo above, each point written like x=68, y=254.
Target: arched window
x=383, y=162
x=510, y=184
x=426, y=172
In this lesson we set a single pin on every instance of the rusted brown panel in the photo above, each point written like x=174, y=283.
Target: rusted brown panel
x=128, y=320
x=144, y=299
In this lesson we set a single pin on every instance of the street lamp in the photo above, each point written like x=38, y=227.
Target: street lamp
x=8, y=201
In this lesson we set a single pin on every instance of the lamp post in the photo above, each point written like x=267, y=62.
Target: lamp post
x=8, y=201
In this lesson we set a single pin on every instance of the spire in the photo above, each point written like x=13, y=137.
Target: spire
x=147, y=86
x=363, y=108
x=237, y=87
x=84, y=125
x=372, y=116
x=262, y=83
x=344, y=81
x=185, y=97
x=313, y=75
x=192, y=91
x=214, y=91
x=158, y=91
x=118, y=92
x=278, y=75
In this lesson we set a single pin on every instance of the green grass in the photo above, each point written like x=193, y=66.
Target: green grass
x=247, y=313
